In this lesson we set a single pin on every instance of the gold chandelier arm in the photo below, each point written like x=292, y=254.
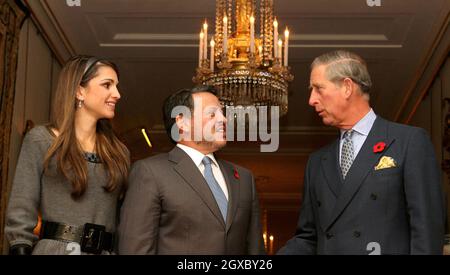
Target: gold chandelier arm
x=220, y=11
x=230, y=15
x=267, y=10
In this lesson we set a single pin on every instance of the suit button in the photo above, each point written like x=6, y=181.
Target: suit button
x=357, y=234
x=373, y=196
x=329, y=236
x=319, y=203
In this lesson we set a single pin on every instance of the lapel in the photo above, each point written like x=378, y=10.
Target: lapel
x=363, y=164
x=233, y=185
x=332, y=171
x=186, y=168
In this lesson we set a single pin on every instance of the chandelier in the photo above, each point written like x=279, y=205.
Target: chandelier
x=245, y=70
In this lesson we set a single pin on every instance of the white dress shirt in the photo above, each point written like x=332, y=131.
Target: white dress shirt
x=197, y=158
x=360, y=132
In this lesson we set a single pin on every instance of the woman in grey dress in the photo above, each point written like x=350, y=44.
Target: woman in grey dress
x=72, y=171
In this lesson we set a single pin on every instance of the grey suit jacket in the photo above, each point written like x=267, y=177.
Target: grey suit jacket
x=169, y=209
x=398, y=210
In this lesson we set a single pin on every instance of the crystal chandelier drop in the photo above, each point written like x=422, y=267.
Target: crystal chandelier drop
x=245, y=70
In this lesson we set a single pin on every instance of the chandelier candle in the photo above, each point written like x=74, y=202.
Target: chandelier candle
x=252, y=34
x=275, y=38
x=286, y=46
x=200, y=50
x=280, y=49
x=205, y=43
x=211, y=66
x=225, y=34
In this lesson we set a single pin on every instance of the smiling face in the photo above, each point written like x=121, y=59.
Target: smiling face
x=208, y=114
x=101, y=94
x=328, y=99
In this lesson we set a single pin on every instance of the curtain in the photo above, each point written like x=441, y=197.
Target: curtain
x=11, y=18
x=442, y=84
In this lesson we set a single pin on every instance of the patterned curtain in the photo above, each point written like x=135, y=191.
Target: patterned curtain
x=11, y=19
x=442, y=85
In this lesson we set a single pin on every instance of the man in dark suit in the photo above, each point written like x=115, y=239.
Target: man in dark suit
x=377, y=188
x=188, y=201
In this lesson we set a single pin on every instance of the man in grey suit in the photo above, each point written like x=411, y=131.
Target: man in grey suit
x=188, y=201
x=377, y=188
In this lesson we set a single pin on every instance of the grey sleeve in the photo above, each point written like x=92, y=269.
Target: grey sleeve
x=424, y=196
x=24, y=200
x=140, y=214
x=255, y=242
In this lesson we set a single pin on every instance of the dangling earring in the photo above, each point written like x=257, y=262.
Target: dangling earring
x=80, y=103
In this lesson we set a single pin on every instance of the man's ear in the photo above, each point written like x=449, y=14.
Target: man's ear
x=183, y=123
x=349, y=87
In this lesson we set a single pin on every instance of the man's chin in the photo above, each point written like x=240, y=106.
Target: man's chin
x=214, y=145
x=219, y=144
x=327, y=122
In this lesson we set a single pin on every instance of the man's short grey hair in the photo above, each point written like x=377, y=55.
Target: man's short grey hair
x=344, y=64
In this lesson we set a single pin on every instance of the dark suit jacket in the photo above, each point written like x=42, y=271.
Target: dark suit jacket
x=397, y=210
x=169, y=209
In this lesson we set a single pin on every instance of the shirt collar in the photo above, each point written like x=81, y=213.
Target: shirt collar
x=364, y=125
x=197, y=156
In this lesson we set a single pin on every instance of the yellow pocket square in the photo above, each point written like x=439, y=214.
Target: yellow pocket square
x=386, y=162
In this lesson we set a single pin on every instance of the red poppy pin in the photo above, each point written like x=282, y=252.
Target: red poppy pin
x=236, y=174
x=379, y=147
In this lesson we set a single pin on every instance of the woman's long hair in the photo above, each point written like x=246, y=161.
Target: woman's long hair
x=70, y=161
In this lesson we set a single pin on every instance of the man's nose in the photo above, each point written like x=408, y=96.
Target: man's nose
x=312, y=99
x=221, y=117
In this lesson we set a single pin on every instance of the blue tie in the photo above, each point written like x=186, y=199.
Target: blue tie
x=221, y=200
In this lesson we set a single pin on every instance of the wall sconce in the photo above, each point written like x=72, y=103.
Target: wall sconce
x=144, y=133
x=265, y=240
x=271, y=238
